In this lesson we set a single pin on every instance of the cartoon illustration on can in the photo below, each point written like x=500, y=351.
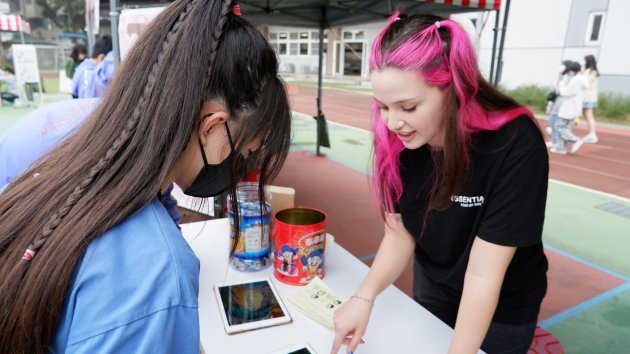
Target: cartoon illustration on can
x=288, y=256
x=313, y=265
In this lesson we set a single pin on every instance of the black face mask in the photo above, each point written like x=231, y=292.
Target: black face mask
x=213, y=180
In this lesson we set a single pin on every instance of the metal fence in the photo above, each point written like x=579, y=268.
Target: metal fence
x=52, y=58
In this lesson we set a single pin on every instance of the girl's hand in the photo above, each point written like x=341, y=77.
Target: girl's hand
x=351, y=321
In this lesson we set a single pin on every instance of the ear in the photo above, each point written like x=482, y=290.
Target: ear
x=211, y=116
x=101, y=57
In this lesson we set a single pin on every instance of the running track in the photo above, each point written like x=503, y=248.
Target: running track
x=604, y=166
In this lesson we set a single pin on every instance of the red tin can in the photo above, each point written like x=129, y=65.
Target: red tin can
x=300, y=240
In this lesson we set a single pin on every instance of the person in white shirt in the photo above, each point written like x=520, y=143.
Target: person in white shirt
x=12, y=92
x=571, y=107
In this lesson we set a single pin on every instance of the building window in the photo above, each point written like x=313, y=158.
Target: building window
x=293, y=48
x=282, y=49
x=296, y=43
x=303, y=48
x=354, y=35
x=594, y=28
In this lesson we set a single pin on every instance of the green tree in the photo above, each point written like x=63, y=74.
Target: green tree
x=68, y=15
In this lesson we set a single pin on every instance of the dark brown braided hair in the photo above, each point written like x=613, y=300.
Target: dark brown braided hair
x=194, y=51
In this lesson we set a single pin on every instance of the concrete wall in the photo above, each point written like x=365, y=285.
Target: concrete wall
x=534, y=42
x=543, y=33
x=577, y=26
x=614, y=53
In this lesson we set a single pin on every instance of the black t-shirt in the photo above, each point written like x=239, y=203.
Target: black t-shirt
x=502, y=201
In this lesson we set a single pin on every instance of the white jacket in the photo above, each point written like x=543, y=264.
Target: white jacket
x=571, y=92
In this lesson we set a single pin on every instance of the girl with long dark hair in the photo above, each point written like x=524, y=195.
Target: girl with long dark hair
x=460, y=173
x=590, y=97
x=90, y=260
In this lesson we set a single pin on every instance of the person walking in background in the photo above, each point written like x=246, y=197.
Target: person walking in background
x=78, y=54
x=570, y=108
x=83, y=81
x=589, y=97
x=554, y=106
x=12, y=92
x=103, y=74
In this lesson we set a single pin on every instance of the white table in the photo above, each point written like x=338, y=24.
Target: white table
x=397, y=325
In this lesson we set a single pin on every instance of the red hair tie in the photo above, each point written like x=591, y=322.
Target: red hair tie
x=28, y=254
x=236, y=10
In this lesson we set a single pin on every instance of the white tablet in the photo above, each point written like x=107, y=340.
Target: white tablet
x=251, y=305
x=301, y=348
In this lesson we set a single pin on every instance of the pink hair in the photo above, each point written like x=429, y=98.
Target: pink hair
x=423, y=53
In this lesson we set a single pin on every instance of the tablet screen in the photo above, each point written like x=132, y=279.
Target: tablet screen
x=296, y=349
x=251, y=302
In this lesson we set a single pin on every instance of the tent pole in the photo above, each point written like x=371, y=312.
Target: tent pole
x=89, y=24
x=21, y=28
x=320, y=115
x=497, y=77
x=113, y=15
x=494, y=44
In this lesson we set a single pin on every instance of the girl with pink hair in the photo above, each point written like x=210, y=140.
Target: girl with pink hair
x=460, y=174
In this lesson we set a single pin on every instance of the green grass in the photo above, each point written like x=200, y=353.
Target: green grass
x=51, y=84
x=614, y=106
x=534, y=97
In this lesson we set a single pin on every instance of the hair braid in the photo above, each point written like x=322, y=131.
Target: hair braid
x=216, y=40
x=57, y=217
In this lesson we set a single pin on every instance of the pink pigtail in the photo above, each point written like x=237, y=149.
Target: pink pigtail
x=420, y=54
x=387, y=184
x=376, y=57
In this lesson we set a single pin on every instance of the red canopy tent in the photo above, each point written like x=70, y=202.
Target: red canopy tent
x=479, y=4
x=14, y=23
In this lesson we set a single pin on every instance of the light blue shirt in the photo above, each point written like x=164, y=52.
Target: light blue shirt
x=134, y=291
x=104, y=73
x=83, y=81
x=37, y=132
